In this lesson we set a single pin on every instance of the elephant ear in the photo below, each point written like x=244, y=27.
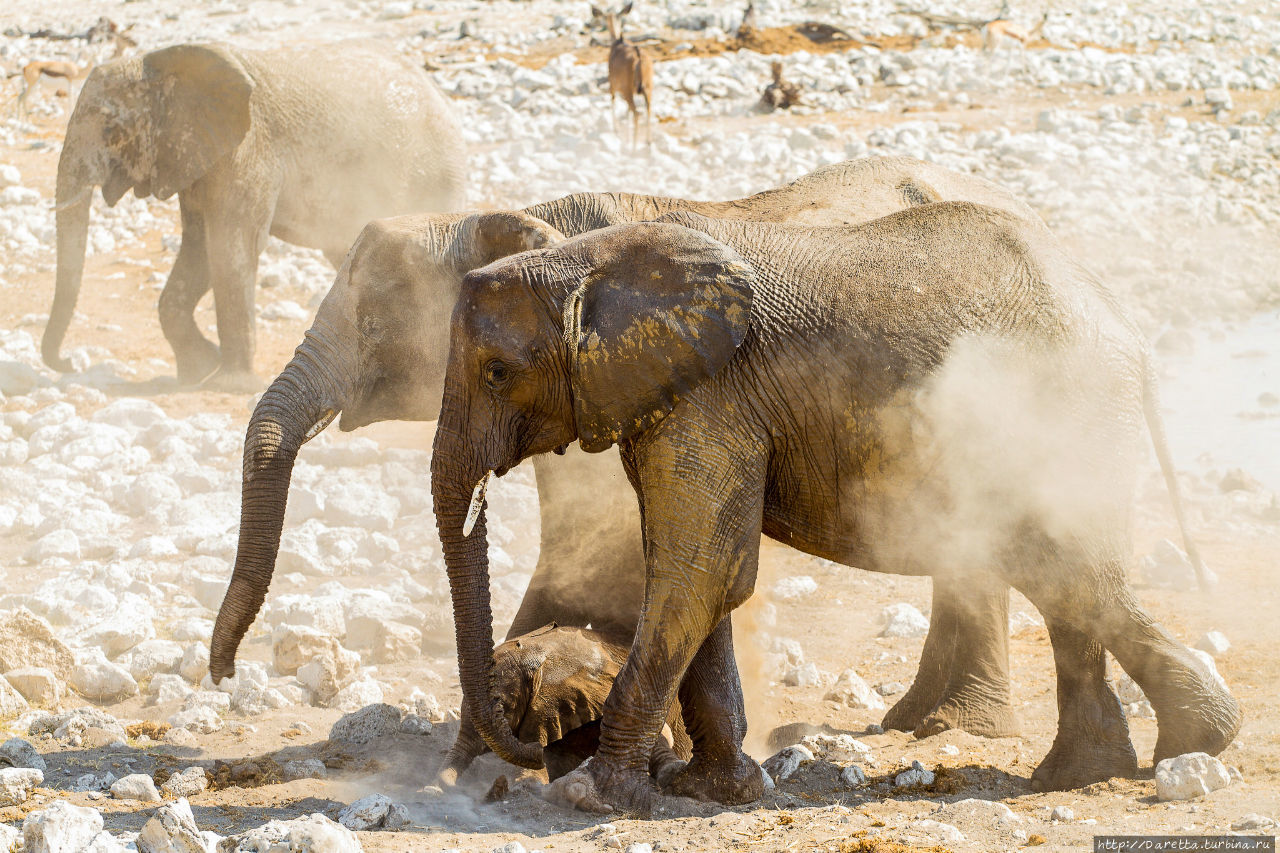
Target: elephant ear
x=504, y=233
x=201, y=111
x=662, y=308
x=574, y=693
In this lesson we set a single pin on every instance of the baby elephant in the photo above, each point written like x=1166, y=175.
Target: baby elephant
x=552, y=684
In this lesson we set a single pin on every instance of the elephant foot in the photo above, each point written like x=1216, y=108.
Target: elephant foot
x=1206, y=726
x=731, y=782
x=447, y=778
x=600, y=788
x=234, y=382
x=1083, y=763
x=976, y=715
x=198, y=363
x=909, y=711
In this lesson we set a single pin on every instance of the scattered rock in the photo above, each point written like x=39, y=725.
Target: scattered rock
x=12, y=702
x=903, y=620
x=136, y=786
x=851, y=690
x=16, y=784
x=973, y=812
x=200, y=719
x=1189, y=776
x=1168, y=567
x=312, y=834
x=1214, y=643
x=375, y=811
x=103, y=681
x=304, y=768
x=1062, y=814
x=795, y=588
x=181, y=737
x=914, y=776
x=172, y=829
x=27, y=640
x=366, y=724
x=16, y=752
x=1239, y=480
x=853, y=776
x=187, y=783
x=782, y=764
x=805, y=675
x=63, y=828
x=1253, y=822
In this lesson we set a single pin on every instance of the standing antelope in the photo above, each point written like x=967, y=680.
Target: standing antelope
x=630, y=74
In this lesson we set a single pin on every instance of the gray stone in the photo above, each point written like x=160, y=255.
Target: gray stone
x=375, y=811
x=304, y=768
x=366, y=724
x=16, y=752
x=853, y=776
x=915, y=775
x=783, y=764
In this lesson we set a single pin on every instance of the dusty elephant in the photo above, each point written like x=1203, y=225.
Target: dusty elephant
x=377, y=351
x=553, y=683
x=304, y=143
x=941, y=391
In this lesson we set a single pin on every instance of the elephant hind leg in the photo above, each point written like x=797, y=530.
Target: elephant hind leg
x=1087, y=590
x=1092, y=743
x=963, y=678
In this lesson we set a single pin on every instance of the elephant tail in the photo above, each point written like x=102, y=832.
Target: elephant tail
x=1155, y=424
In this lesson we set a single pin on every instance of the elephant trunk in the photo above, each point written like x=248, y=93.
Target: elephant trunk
x=297, y=406
x=455, y=470
x=73, y=194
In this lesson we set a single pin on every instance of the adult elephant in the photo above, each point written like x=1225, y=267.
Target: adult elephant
x=941, y=391
x=303, y=143
x=377, y=351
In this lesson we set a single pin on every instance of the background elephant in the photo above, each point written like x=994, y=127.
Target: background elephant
x=303, y=143
x=377, y=351
x=553, y=683
x=941, y=391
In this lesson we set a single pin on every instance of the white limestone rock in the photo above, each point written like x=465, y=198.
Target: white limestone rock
x=135, y=786
x=151, y=657
x=1214, y=643
x=366, y=724
x=12, y=703
x=195, y=662
x=987, y=814
x=172, y=829
x=61, y=828
x=903, y=620
x=312, y=834
x=850, y=689
x=375, y=811
x=915, y=775
x=103, y=681
x=795, y=587
x=1190, y=776
x=38, y=685
x=198, y=719
x=187, y=783
x=16, y=784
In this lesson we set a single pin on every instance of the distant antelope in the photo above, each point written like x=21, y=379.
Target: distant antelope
x=630, y=74
x=780, y=94
x=33, y=71
x=996, y=31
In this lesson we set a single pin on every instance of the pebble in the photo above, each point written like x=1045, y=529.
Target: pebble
x=1190, y=776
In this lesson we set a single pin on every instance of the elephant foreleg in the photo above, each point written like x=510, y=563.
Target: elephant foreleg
x=712, y=705
x=188, y=282
x=234, y=247
x=976, y=695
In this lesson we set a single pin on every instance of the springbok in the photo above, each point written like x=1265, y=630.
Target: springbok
x=630, y=74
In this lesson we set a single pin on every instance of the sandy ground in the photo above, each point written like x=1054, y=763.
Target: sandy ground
x=836, y=628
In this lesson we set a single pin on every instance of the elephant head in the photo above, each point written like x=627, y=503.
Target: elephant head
x=376, y=351
x=155, y=124
x=595, y=339
x=550, y=682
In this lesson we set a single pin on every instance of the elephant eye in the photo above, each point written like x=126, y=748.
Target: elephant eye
x=371, y=328
x=496, y=373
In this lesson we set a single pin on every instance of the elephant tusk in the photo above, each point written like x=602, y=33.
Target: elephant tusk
x=477, y=503
x=319, y=426
x=81, y=196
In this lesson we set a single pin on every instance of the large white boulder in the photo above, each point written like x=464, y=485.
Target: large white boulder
x=17, y=752
x=312, y=834
x=28, y=640
x=151, y=657
x=38, y=685
x=103, y=681
x=1188, y=776
x=12, y=702
x=366, y=724
x=135, y=786
x=186, y=783
x=375, y=811
x=903, y=620
x=62, y=828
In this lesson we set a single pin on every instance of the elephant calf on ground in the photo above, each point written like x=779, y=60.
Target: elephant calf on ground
x=303, y=143
x=941, y=391
x=553, y=683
